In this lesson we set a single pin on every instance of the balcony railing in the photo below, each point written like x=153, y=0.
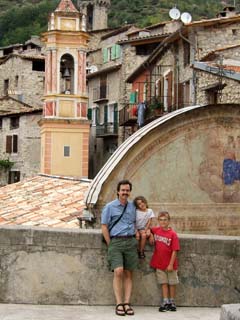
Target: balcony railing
x=155, y=109
x=107, y=129
x=100, y=93
x=128, y=115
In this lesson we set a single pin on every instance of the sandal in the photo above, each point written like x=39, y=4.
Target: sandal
x=128, y=309
x=121, y=311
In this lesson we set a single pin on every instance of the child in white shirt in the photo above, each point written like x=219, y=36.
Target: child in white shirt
x=144, y=217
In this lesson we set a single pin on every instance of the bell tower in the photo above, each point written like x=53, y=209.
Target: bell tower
x=96, y=12
x=64, y=126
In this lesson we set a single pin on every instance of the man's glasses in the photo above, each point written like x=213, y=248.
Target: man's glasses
x=163, y=219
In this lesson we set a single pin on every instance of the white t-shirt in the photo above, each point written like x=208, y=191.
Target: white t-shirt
x=142, y=218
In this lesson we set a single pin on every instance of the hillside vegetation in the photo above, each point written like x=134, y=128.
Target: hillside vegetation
x=19, y=19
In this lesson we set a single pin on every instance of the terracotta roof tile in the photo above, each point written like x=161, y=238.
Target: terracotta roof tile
x=54, y=202
x=66, y=6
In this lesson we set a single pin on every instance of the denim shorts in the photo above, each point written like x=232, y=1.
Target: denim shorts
x=122, y=252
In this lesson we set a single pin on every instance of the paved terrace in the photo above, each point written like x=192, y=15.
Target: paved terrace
x=36, y=312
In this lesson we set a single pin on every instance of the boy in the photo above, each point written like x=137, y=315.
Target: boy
x=164, y=260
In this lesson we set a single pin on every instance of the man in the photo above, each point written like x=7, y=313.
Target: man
x=118, y=228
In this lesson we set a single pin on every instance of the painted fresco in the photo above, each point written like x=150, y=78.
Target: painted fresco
x=220, y=172
x=201, y=165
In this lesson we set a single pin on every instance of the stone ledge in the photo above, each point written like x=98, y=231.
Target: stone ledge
x=230, y=312
x=63, y=266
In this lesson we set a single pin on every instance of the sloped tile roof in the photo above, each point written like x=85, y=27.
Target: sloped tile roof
x=30, y=57
x=212, y=54
x=11, y=106
x=66, y=6
x=44, y=201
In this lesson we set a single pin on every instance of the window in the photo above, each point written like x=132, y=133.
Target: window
x=13, y=176
x=103, y=87
x=145, y=50
x=16, y=81
x=66, y=151
x=6, y=87
x=186, y=53
x=14, y=122
x=12, y=144
x=212, y=96
x=38, y=65
x=111, y=53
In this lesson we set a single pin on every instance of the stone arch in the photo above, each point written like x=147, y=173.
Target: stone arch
x=177, y=162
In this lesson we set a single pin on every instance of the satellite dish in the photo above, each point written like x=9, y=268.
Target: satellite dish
x=174, y=13
x=186, y=17
x=93, y=69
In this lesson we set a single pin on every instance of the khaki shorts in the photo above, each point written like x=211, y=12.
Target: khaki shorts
x=123, y=253
x=170, y=277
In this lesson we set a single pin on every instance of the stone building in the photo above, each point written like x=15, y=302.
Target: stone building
x=19, y=140
x=22, y=72
x=22, y=83
x=178, y=73
x=112, y=57
x=96, y=13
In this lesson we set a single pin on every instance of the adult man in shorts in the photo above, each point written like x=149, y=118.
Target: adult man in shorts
x=118, y=228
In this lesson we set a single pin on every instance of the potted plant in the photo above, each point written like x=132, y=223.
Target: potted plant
x=156, y=107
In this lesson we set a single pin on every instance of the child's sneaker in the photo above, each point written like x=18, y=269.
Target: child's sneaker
x=141, y=255
x=163, y=308
x=172, y=307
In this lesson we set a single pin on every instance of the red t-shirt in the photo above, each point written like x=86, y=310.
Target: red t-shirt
x=166, y=241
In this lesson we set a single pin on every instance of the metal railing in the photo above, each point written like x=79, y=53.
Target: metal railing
x=155, y=108
x=107, y=129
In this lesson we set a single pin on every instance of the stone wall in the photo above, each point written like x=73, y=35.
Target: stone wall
x=220, y=35
x=29, y=87
x=45, y=266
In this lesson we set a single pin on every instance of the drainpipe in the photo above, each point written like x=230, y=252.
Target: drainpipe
x=194, y=72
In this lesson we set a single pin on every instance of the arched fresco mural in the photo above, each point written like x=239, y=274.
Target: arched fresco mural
x=187, y=162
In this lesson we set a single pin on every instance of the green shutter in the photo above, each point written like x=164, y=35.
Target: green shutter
x=105, y=114
x=114, y=52
x=105, y=55
x=133, y=97
x=89, y=114
x=115, y=117
x=118, y=51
